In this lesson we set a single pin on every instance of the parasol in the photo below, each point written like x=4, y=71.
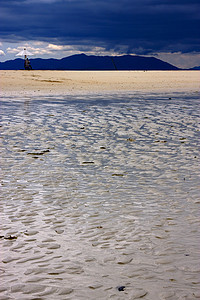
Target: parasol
x=24, y=53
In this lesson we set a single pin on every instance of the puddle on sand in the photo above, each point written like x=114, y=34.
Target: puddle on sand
x=99, y=197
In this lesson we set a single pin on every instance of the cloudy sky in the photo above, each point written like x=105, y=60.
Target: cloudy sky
x=167, y=29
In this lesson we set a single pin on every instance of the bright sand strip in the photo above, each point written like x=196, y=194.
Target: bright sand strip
x=83, y=82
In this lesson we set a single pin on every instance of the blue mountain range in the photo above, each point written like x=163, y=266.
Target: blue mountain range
x=85, y=62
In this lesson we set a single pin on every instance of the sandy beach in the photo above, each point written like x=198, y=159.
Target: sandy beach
x=99, y=185
x=82, y=82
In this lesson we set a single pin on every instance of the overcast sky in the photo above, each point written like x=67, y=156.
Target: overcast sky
x=167, y=29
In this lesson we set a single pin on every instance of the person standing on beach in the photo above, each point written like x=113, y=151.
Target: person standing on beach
x=27, y=65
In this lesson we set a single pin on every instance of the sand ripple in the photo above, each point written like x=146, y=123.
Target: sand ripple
x=99, y=197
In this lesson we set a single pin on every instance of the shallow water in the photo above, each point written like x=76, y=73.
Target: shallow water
x=98, y=193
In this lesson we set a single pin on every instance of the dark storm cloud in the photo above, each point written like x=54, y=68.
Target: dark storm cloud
x=143, y=26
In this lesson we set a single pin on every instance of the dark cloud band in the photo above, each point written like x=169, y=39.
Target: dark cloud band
x=151, y=25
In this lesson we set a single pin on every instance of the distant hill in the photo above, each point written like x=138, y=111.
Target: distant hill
x=195, y=68
x=84, y=62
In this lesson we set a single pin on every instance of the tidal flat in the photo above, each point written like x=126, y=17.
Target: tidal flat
x=100, y=196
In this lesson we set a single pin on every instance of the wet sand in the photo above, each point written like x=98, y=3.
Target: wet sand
x=83, y=82
x=99, y=192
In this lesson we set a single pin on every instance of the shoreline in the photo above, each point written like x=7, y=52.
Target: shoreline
x=30, y=83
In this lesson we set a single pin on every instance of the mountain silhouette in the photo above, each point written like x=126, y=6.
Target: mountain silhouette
x=195, y=68
x=85, y=62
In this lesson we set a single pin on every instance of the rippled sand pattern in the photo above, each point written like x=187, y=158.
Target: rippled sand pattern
x=99, y=197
